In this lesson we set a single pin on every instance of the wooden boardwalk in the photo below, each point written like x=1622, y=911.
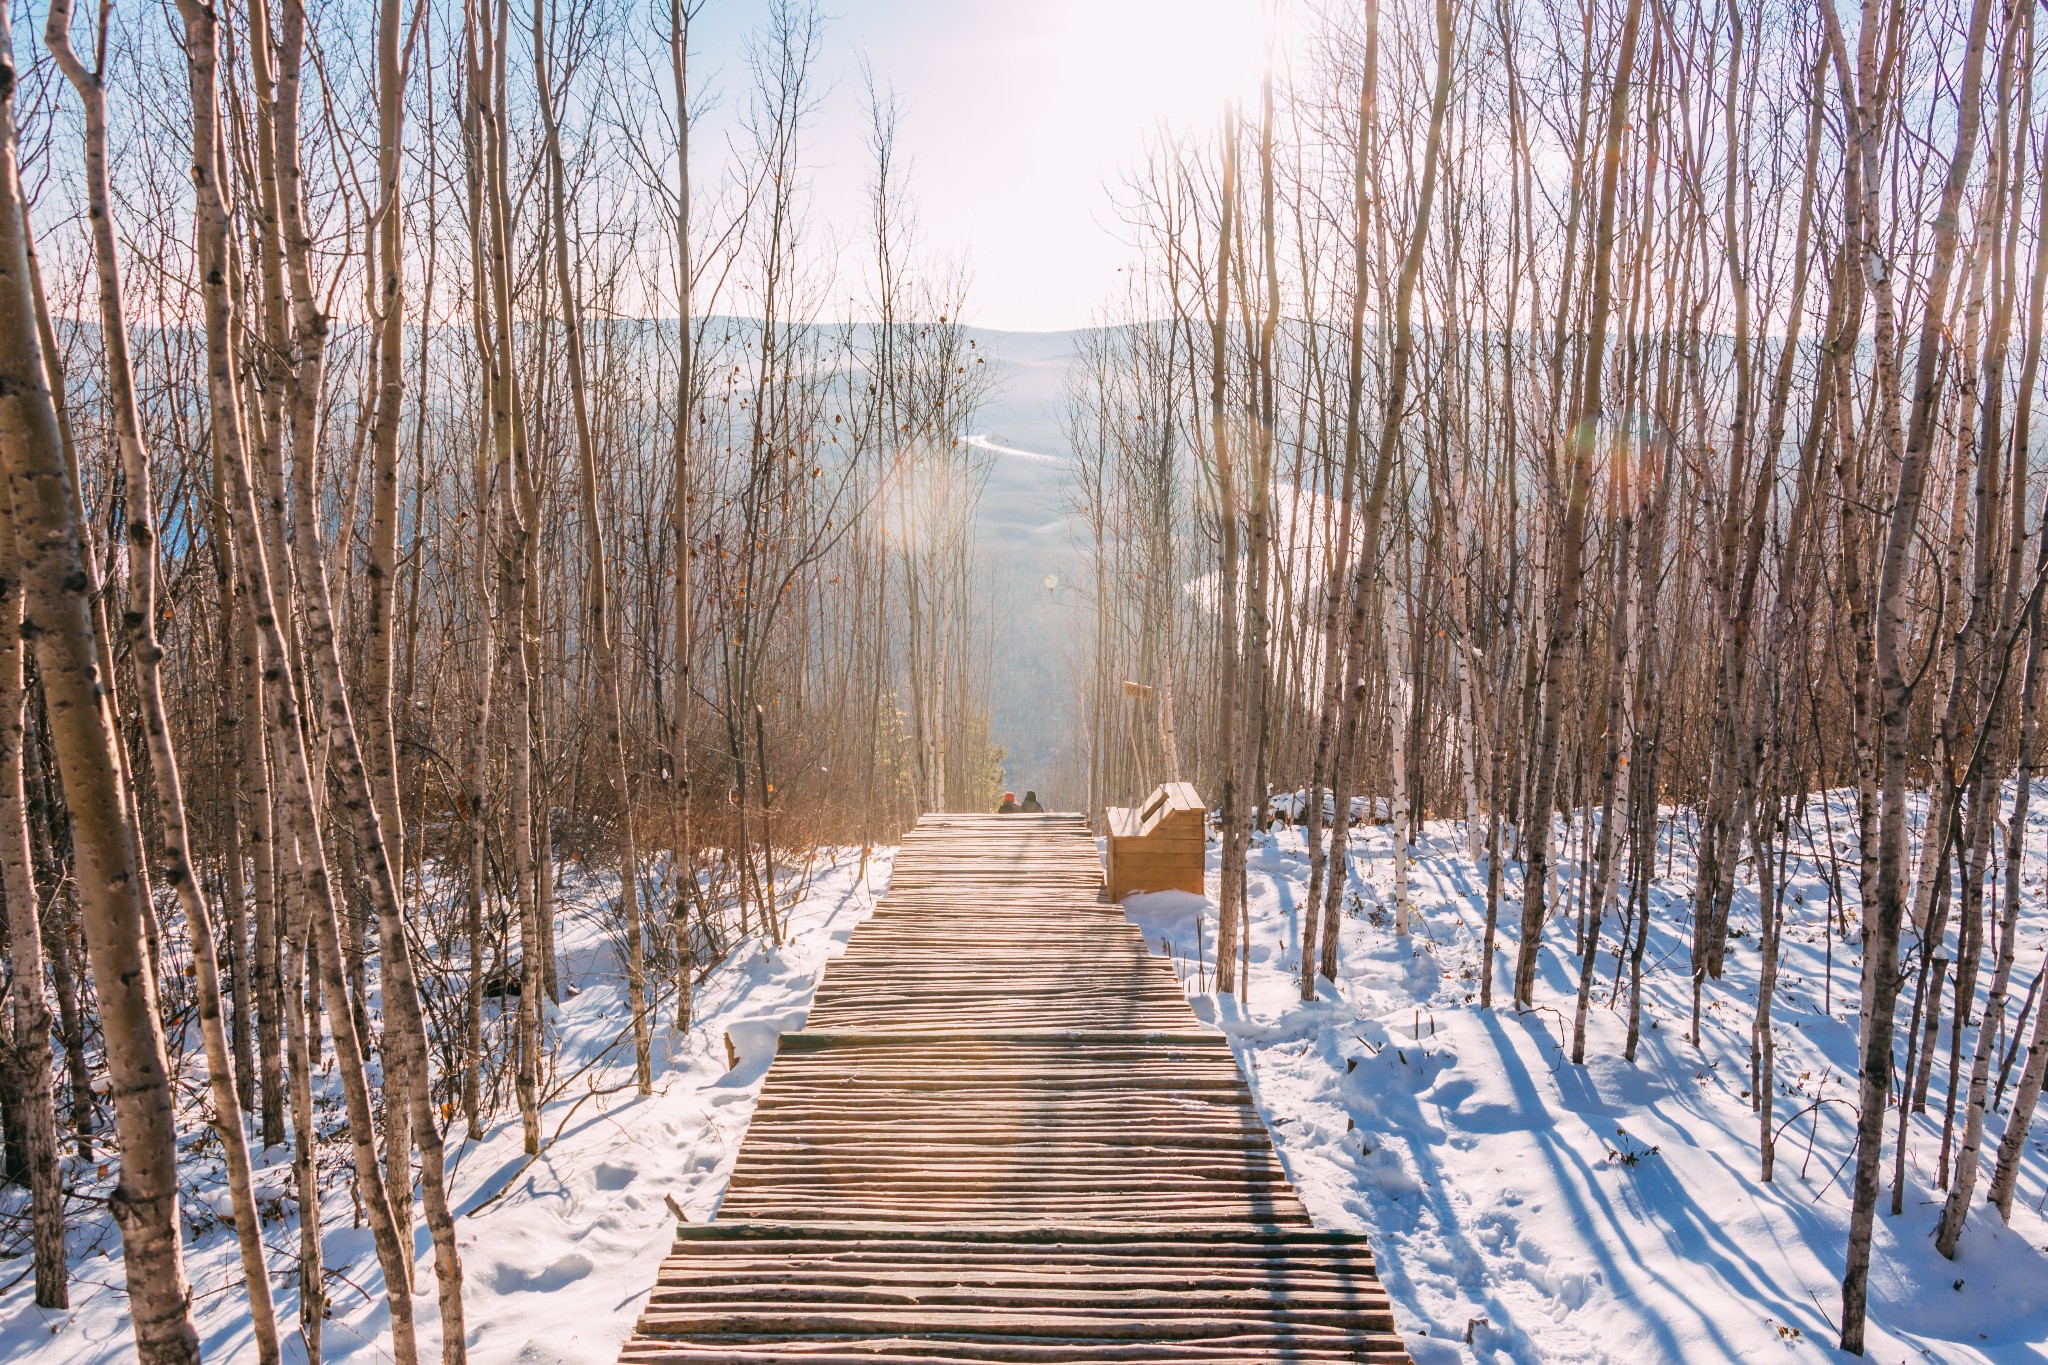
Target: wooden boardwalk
x=1002, y=1136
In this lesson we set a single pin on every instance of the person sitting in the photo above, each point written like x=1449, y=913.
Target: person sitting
x=1031, y=806
x=1009, y=806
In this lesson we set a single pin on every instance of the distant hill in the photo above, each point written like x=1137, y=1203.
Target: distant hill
x=1026, y=535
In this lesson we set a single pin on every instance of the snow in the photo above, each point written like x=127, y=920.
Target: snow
x=558, y=1253
x=1524, y=1209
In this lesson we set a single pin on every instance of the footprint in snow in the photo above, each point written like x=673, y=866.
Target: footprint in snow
x=514, y=1279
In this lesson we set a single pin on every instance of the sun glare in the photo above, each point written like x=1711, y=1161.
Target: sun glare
x=1174, y=61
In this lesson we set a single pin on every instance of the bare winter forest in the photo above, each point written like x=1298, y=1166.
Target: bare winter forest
x=436, y=523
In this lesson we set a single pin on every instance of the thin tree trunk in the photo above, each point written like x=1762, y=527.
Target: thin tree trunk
x=1230, y=693
x=1570, y=553
x=380, y=750
x=58, y=617
x=1332, y=747
x=312, y=881
x=1387, y=449
x=684, y=852
x=609, y=703
x=1896, y=683
x=489, y=55
x=146, y=654
x=35, y=1114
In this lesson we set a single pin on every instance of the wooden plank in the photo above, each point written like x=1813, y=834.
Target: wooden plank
x=819, y=1040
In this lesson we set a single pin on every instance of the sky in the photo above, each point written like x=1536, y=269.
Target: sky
x=1020, y=119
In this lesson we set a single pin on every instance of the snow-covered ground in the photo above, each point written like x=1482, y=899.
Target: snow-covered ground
x=1525, y=1209
x=558, y=1253
x=1547, y=1212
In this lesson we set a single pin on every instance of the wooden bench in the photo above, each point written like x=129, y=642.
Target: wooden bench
x=1158, y=846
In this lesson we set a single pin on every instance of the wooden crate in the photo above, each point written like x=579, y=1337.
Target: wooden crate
x=1158, y=846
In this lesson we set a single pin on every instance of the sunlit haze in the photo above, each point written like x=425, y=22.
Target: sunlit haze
x=1019, y=121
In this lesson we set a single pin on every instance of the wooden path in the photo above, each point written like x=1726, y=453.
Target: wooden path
x=1003, y=1137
